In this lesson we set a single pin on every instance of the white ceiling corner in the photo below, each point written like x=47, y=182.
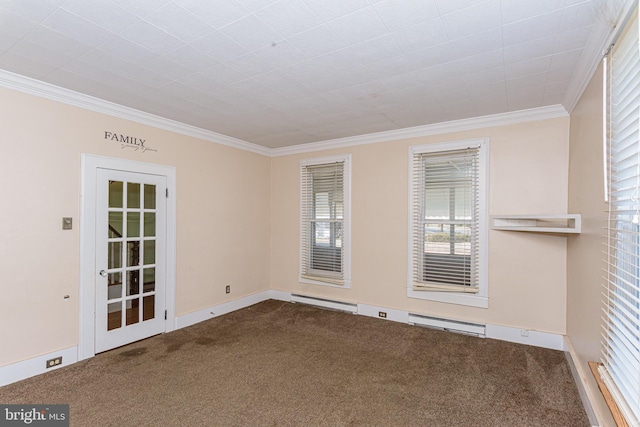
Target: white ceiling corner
x=284, y=76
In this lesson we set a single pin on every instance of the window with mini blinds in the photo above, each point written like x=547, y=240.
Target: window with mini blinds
x=448, y=222
x=324, y=220
x=621, y=319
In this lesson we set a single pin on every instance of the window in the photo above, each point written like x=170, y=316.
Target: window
x=324, y=220
x=621, y=338
x=448, y=222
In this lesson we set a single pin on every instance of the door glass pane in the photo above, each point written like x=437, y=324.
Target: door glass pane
x=115, y=224
x=133, y=311
x=133, y=195
x=114, y=285
x=115, y=255
x=133, y=224
x=149, y=252
x=149, y=280
x=133, y=282
x=115, y=194
x=114, y=316
x=149, y=196
x=133, y=253
x=149, y=224
x=148, y=307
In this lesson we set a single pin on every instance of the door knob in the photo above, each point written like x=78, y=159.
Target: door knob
x=103, y=273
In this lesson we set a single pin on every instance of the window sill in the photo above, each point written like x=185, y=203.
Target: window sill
x=608, y=398
x=451, y=298
x=347, y=283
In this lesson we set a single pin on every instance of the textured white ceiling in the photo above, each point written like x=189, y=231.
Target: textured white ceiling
x=287, y=72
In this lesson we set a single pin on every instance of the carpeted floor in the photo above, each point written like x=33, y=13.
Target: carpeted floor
x=279, y=363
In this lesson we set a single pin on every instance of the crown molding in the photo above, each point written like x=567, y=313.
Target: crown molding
x=606, y=31
x=502, y=119
x=46, y=90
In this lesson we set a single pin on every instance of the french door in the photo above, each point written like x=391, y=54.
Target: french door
x=130, y=257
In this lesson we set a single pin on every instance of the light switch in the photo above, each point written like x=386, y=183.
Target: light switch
x=67, y=223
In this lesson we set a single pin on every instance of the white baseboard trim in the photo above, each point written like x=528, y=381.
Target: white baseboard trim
x=325, y=303
x=36, y=365
x=218, y=310
x=502, y=333
x=449, y=325
x=279, y=295
x=526, y=336
x=579, y=377
x=392, y=314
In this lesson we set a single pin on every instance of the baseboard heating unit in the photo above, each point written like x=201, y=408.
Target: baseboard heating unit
x=467, y=328
x=325, y=303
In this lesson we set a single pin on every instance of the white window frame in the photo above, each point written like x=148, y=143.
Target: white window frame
x=346, y=232
x=481, y=298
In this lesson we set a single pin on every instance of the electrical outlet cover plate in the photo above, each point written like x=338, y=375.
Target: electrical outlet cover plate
x=54, y=362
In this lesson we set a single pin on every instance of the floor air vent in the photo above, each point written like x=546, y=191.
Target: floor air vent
x=325, y=303
x=448, y=325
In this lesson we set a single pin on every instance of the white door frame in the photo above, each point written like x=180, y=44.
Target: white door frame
x=90, y=165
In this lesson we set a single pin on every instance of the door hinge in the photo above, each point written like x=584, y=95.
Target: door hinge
x=165, y=315
x=167, y=193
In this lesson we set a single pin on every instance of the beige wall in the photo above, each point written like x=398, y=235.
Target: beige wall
x=223, y=199
x=527, y=272
x=233, y=206
x=584, y=261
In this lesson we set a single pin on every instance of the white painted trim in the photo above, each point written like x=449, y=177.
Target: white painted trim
x=393, y=314
x=477, y=329
x=325, y=303
x=534, y=338
x=346, y=240
x=459, y=298
x=192, y=318
x=45, y=90
x=480, y=299
x=606, y=30
x=502, y=119
x=89, y=165
x=503, y=333
x=36, y=365
x=279, y=295
x=580, y=379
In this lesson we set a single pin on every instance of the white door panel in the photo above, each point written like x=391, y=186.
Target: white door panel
x=130, y=239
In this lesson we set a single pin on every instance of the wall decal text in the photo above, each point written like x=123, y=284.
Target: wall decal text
x=127, y=141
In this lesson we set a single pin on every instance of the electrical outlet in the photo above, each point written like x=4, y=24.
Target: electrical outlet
x=54, y=362
x=228, y=289
x=524, y=332
x=382, y=314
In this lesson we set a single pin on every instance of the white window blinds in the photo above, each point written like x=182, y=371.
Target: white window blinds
x=323, y=222
x=445, y=205
x=621, y=322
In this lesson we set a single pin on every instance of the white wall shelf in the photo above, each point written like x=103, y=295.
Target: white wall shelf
x=559, y=224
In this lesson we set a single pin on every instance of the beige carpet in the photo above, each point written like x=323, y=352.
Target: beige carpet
x=279, y=363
